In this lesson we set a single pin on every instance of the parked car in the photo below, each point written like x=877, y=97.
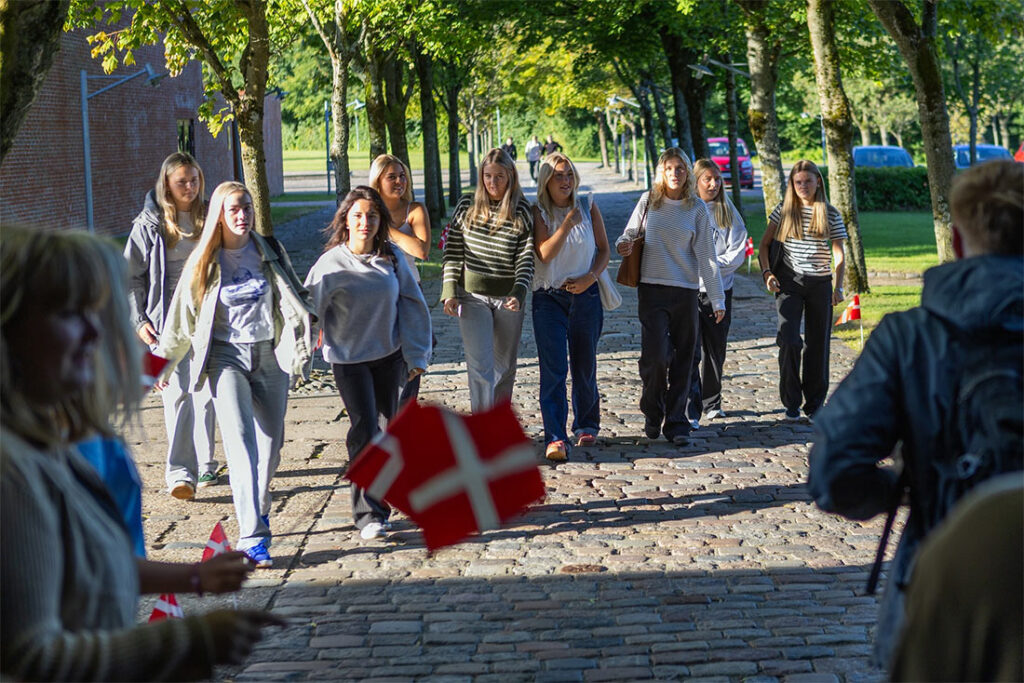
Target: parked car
x=719, y=148
x=962, y=154
x=877, y=156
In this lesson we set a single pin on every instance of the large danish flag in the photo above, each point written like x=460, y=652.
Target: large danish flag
x=452, y=475
x=218, y=543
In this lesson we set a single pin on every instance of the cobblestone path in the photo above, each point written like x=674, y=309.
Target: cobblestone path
x=707, y=562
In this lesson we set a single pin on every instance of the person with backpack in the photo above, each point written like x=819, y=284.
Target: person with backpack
x=942, y=379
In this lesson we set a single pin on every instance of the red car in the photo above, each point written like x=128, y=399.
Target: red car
x=719, y=148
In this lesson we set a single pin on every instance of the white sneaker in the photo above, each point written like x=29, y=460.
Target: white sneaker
x=694, y=424
x=373, y=530
x=714, y=413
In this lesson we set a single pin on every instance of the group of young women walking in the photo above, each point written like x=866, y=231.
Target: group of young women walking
x=224, y=305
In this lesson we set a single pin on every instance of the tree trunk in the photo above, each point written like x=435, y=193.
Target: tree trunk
x=917, y=45
x=396, y=100
x=433, y=191
x=340, y=128
x=647, y=121
x=602, y=136
x=1004, y=131
x=763, y=59
x=679, y=59
x=454, y=174
x=249, y=114
x=474, y=141
x=733, y=126
x=838, y=122
x=696, y=98
x=616, y=142
x=995, y=131
x=865, y=133
x=376, y=110
x=883, y=133
x=30, y=32
x=659, y=107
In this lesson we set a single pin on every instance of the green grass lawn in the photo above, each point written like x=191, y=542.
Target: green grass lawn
x=894, y=242
x=314, y=161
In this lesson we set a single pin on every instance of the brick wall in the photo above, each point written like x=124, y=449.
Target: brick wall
x=133, y=127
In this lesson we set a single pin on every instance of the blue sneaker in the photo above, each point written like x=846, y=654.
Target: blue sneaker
x=259, y=555
x=266, y=520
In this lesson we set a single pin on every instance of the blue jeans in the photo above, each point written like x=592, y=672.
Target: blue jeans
x=573, y=322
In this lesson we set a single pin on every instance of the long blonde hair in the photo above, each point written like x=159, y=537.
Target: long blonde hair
x=689, y=185
x=68, y=270
x=480, y=210
x=203, y=259
x=380, y=165
x=721, y=205
x=172, y=231
x=547, y=169
x=792, y=220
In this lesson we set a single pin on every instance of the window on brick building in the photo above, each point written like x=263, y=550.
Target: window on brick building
x=186, y=136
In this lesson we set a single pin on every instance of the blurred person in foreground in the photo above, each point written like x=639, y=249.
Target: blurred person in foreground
x=70, y=579
x=905, y=388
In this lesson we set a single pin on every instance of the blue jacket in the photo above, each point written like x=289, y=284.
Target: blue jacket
x=899, y=393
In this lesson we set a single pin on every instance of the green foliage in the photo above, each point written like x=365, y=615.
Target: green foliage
x=891, y=189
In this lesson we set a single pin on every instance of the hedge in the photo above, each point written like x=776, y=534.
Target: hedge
x=891, y=188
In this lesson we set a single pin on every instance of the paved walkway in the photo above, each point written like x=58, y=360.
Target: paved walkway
x=645, y=560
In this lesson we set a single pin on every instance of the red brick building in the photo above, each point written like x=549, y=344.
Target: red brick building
x=133, y=127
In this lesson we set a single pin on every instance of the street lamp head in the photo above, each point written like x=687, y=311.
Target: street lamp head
x=701, y=70
x=152, y=77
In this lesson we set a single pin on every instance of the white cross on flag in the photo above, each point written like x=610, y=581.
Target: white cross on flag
x=218, y=543
x=452, y=475
x=166, y=608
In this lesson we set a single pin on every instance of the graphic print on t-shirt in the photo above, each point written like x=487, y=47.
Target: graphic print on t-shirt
x=246, y=288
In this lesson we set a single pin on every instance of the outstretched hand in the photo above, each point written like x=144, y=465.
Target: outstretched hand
x=224, y=573
x=234, y=632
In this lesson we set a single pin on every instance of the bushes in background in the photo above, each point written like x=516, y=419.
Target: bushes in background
x=891, y=189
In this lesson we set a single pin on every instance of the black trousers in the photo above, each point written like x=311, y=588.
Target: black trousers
x=668, y=335
x=369, y=390
x=706, y=377
x=808, y=298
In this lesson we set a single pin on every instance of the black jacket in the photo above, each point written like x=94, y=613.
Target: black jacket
x=900, y=392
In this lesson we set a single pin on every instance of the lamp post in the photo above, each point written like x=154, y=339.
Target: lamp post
x=730, y=100
x=152, y=78
x=615, y=99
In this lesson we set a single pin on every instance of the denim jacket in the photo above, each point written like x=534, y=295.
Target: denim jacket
x=189, y=326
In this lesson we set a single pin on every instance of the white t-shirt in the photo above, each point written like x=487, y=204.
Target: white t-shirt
x=244, y=301
x=175, y=257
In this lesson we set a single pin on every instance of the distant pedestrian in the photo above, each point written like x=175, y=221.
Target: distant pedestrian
x=488, y=269
x=409, y=228
x=510, y=148
x=808, y=235
x=533, y=153
x=376, y=327
x=730, y=236
x=242, y=312
x=679, y=253
x=163, y=235
x=572, y=250
x=551, y=146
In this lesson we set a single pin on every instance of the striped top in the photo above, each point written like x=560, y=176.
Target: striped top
x=811, y=255
x=498, y=263
x=679, y=249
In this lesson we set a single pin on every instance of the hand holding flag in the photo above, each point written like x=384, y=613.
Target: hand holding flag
x=452, y=475
x=152, y=365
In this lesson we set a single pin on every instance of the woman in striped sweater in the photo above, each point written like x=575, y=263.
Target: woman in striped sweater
x=679, y=252
x=488, y=268
x=810, y=234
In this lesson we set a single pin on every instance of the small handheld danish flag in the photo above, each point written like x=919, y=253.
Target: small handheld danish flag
x=151, y=367
x=852, y=311
x=166, y=607
x=218, y=543
x=750, y=247
x=453, y=475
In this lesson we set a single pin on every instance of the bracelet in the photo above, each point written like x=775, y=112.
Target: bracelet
x=196, y=581
x=766, y=270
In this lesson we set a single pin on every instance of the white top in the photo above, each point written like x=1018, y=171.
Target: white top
x=406, y=229
x=176, y=256
x=811, y=255
x=679, y=250
x=730, y=248
x=577, y=253
x=533, y=150
x=243, y=314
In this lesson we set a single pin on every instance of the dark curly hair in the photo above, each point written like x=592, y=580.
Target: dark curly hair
x=337, y=231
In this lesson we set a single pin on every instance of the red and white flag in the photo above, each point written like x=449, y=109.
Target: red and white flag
x=151, y=367
x=218, y=543
x=852, y=311
x=750, y=247
x=166, y=608
x=453, y=475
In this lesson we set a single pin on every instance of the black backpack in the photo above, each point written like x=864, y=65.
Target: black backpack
x=984, y=432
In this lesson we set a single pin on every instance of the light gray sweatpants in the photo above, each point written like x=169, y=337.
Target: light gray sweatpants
x=189, y=420
x=250, y=395
x=490, y=337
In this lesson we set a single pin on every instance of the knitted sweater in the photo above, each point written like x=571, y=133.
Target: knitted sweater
x=70, y=582
x=498, y=263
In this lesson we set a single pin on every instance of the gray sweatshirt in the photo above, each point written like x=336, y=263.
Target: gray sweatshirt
x=369, y=307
